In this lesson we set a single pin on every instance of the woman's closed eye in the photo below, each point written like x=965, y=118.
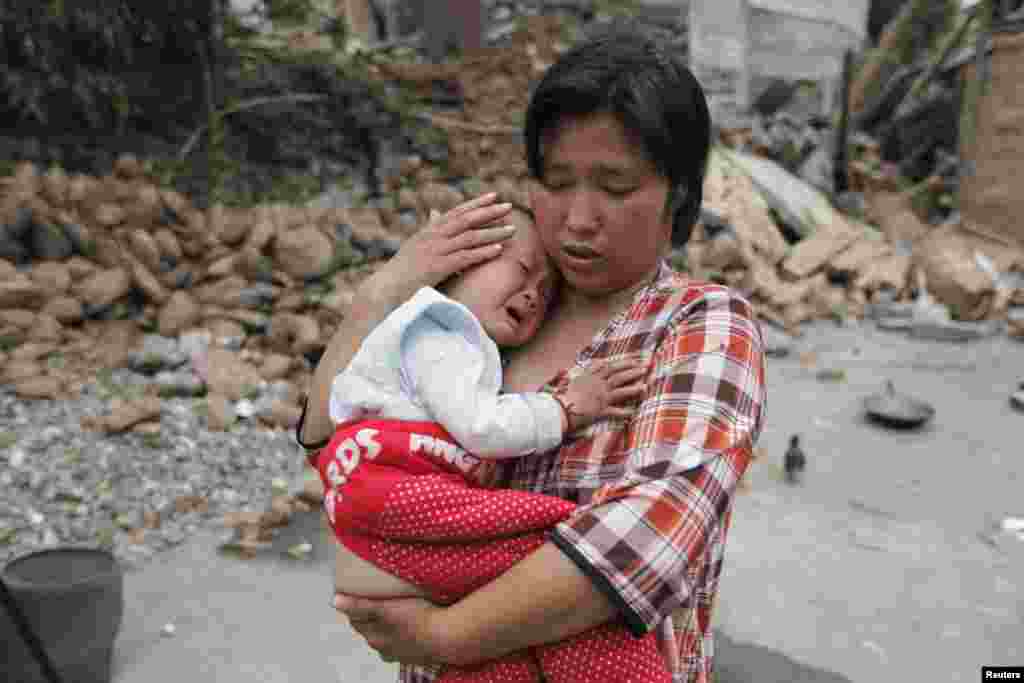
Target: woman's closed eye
x=556, y=184
x=619, y=191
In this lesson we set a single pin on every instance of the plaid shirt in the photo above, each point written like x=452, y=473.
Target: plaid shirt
x=655, y=491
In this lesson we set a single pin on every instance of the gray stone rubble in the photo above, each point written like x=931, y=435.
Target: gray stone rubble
x=64, y=485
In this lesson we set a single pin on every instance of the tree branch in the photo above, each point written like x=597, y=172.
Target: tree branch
x=248, y=104
x=466, y=126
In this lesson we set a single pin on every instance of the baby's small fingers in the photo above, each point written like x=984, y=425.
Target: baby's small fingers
x=627, y=374
x=620, y=413
x=627, y=393
x=608, y=368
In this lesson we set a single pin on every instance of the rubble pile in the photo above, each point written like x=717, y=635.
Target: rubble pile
x=884, y=235
x=817, y=262
x=116, y=271
x=94, y=264
x=265, y=287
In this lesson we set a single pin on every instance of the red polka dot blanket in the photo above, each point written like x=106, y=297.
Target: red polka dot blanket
x=404, y=496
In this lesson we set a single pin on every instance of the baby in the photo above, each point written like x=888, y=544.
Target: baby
x=420, y=421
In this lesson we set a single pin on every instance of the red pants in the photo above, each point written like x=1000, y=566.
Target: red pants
x=401, y=496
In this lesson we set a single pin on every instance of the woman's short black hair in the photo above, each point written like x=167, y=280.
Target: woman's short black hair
x=644, y=83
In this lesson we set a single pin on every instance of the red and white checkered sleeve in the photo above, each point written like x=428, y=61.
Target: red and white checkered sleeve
x=643, y=537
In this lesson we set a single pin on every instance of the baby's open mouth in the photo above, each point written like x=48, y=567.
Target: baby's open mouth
x=580, y=251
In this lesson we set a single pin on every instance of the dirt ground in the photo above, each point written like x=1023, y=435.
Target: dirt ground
x=888, y=562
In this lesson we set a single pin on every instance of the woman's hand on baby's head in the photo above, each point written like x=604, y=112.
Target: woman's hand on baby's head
x=605, y=389
x=448, y=243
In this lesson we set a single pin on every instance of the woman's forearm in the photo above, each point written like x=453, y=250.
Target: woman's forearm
x=371, y=303
x=543, y=599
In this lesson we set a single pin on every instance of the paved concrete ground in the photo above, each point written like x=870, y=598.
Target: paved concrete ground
x=268, y=619
x=883, y=566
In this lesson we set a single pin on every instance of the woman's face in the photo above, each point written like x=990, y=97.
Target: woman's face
x=600, y=206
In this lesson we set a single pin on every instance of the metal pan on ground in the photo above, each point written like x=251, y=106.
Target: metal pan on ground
x=897, y=411
x=894, y=323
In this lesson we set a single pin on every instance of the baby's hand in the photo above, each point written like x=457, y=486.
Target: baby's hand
x=602, y=390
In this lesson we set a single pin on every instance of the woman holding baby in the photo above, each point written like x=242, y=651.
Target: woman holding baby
x=617, y=138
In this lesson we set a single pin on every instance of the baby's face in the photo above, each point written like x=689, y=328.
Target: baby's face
x=510, y=294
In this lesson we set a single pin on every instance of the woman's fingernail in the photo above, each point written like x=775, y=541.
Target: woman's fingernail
x=510, y=228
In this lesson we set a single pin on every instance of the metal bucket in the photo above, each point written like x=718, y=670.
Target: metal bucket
x=71, y=600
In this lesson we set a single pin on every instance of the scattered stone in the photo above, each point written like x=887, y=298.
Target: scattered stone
x=312, y=489
x=105, y=287
x=1017, y=398
x=181, y=312
x=304, y=253
x=295, y=334
x=55, y=278
x=281, y=414
x=276, y=366
x=46, y=328
x=157, y=353
x=778, y=344
x=19, y=291
x=40, y=388
x=220, y=415
x=952, y=331
x=300, y=551
x=831, y=375
x=65, y=309
x=229, y=376
x=49, y=242
x=125, y=414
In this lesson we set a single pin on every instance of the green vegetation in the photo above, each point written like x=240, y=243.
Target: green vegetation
x=345, y=257
x=97, y=81
x=917, y=30
x=616, y=8
x=315, y=293
x=151, y=363
x=9, y=342
x=73, y=455
x=153, y=441
x=201, y=408
x=43, y=81
x=105, y=537
x=108, y=388
x=105, y=380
